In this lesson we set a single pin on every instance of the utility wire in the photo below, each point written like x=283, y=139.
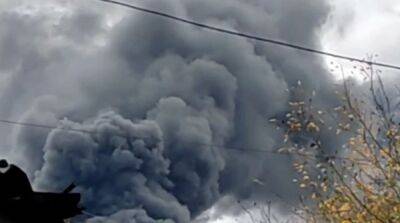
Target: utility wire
x=251, y=36
x=91, y=215
x=315, y=157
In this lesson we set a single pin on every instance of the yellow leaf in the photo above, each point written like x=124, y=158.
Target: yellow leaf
x=345, y=207
x=312, y=127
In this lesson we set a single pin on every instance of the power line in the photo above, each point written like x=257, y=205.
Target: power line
x=315, y=157
x=251, y=36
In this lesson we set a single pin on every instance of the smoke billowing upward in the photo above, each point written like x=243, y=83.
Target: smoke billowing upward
x=170, y=88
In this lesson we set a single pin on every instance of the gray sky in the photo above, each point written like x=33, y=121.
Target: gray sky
x=355, y=28
x=360, y=27
x=97, y=67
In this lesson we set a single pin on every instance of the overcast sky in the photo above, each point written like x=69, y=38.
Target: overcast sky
x=174, y=90
x=360, y=27
x=357, y=28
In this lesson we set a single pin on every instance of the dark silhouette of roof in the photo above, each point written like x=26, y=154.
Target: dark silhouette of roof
x=20, y=204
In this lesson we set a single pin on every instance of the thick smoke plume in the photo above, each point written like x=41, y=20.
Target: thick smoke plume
x=156, y=95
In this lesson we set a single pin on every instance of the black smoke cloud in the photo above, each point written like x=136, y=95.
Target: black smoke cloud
x=170, y=88
x=112, y=172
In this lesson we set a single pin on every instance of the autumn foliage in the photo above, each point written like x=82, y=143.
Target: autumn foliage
x=359, y=180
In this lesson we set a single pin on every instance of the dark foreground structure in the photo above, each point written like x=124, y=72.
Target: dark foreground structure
x=20, y=204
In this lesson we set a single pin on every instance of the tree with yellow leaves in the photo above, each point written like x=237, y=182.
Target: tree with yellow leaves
x=361, y=182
